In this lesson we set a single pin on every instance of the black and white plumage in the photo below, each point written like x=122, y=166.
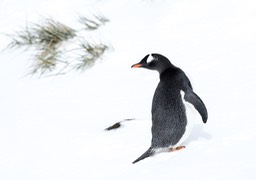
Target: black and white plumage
x=173, y=99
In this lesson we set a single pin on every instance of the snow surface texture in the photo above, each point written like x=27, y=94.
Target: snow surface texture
x=53, y=128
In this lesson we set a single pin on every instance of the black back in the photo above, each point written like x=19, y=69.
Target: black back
x=168, y=111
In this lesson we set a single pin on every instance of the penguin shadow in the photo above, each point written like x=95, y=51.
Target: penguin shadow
x=197, y=133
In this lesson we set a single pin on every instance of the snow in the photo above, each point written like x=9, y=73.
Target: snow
x=53, y=128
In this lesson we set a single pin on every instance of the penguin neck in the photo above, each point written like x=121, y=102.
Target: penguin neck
x=165, y=75
x=161, y=68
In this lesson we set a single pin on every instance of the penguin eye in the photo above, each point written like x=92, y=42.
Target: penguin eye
x=153, y=62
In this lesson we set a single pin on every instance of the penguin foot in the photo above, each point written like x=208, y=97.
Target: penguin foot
x=177, y=148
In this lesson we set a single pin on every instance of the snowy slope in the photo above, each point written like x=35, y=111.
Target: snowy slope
x=53, y=128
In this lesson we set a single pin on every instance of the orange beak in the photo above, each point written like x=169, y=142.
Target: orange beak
x=136, y=65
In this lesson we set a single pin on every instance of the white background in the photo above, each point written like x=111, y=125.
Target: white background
x=53, y=128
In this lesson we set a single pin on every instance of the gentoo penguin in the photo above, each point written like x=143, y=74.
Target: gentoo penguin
x=171, y=99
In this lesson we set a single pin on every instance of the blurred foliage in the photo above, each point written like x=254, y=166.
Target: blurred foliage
x=94, y=24
x=58, y=48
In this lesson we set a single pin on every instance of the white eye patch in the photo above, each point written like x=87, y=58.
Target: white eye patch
x=150, y=59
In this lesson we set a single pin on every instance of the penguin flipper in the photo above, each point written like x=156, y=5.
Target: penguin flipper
x=146, y=154
x=195, y=100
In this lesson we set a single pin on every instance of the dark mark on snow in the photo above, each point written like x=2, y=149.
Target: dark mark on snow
x=118, y=124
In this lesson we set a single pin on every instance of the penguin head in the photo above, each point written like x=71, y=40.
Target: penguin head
x=158, y=62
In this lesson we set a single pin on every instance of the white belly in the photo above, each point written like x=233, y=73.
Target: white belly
x=191, y=114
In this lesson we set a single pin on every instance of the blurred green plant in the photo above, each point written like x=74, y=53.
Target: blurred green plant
x=58, y=48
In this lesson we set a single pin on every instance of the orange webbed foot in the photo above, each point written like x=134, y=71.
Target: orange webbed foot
x=177, y=148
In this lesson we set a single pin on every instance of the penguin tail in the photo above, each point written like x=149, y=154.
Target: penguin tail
x=146, y=154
